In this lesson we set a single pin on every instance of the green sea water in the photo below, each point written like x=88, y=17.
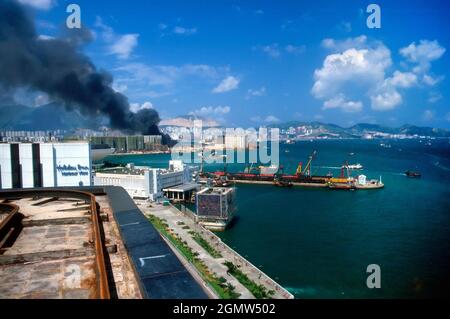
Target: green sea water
x=317, y=243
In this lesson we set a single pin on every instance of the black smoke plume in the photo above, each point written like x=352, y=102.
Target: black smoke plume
x=57, y=67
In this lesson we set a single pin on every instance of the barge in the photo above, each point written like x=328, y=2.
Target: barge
x=302, y=178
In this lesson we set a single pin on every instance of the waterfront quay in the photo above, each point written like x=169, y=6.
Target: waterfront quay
x=215, y=256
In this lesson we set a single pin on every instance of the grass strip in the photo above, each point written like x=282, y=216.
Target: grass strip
x=223, y=289
x=205, y=245
x=259, y=291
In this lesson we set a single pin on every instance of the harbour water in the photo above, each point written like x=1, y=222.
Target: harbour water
x=317, y=243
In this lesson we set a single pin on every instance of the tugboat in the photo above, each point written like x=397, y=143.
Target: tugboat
x=413, y=174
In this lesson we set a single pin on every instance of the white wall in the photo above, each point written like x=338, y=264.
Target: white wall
x=63, y=164
x=5, y=166
x=26, y=160
x=48, y=167
x=73, y=164
x=135, y=185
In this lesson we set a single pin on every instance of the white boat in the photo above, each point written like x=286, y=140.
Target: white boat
x=353, y=166
x=100, y=151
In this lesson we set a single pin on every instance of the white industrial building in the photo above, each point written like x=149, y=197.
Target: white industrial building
x=143, y=182
x=27, y=165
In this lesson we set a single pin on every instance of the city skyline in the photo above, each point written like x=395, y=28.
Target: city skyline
x=259, y=64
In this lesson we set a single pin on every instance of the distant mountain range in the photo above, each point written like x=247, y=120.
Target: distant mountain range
x=53, y=116
x=365, y=128
x=188, y=121
x=46, y=117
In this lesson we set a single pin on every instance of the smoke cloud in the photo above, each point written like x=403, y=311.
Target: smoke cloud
x=57, y=67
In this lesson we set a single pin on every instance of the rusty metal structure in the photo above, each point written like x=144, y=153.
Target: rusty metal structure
x=11, y=228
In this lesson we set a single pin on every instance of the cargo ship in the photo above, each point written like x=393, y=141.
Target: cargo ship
x=274, y=175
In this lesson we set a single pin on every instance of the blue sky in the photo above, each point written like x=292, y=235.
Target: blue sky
x=261, y=62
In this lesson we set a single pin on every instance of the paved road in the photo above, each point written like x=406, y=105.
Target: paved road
x=172, y=216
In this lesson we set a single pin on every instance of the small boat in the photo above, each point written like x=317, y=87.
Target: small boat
x=353, y=166
x=413, y=174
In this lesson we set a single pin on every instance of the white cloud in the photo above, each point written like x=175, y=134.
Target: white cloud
x=270, y=119
x=210, y=111
x=41, y=99
x=345, y=26
x=164, y=75
x=428, y=115
x=256, y=92
x=38, y=4
x=425, y=52
x=295, y=49
x=402, y=79
x=124, y=45
x=357, y=70
x=136, y=107
x=422, y=55
x=386, y=96
x=184, y=31
x=350, y=71
x=119, y=87
x=274, y=50
x=45, y=37
x=227, y=84
x=162, y=26
x=434, y=97
x=431, y=81
x=271, y=50
x=355, y=43
x=386, y=100
x=341, y=102
x=120, y=45
x=45, y=24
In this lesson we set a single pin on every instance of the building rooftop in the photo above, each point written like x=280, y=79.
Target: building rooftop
x=61, y=243
x=121, y=170
x=83, y=243
x=51, y=247
x=182, y=187
x=215, y=190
